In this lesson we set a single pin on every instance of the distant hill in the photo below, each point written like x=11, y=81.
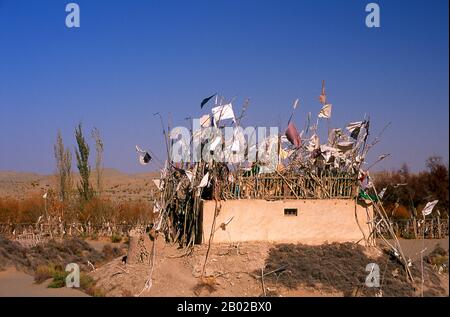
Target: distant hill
x=116, y=184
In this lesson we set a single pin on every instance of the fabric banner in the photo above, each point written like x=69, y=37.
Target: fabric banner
x=204, y=181
x=144, y=157
x=354, y=128
x=325, y=112
x=292, y=135
x=205, y=121
x=205, y=101
x=429, y=207
x=223, y=112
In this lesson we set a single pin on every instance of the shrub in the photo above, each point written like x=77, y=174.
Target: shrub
x=59, y=279
x=115, y=238
x=87, y=284
x=28, y=210
x=419, y=189
x=45, y=272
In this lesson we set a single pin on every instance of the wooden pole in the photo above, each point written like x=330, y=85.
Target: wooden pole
x=415, y=227
x=439, y=227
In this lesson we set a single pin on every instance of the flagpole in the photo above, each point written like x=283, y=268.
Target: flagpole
x=296, y=102
x=164, y=133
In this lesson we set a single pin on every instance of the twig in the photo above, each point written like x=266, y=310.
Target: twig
x=262, y=281
x=211, y=236
x=281, y=268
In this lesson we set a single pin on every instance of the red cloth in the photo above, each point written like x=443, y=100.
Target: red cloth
x=292, y=135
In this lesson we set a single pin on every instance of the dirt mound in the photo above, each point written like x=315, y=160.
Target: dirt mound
x=342, y=267
x=58, y=253
x=235, y=270
x=12, y=254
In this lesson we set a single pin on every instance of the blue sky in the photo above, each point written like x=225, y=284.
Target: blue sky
x=130, y=59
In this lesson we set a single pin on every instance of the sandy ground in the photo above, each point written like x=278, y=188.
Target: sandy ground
x=411, y=248
x=14, y=283
x=232, y=270
x=19, y=264
x=100, y=243
x=235, y=270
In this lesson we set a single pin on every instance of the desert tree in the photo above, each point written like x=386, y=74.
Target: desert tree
x=82, y=156
x=63, y=159
x=98, y=159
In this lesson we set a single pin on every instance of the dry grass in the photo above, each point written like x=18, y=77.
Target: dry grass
x=21, y=210
x=96, y=211
x=53, y=256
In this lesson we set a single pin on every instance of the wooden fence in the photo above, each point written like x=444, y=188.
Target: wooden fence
x=434, y=228
x=277, y=187
x=19, y=231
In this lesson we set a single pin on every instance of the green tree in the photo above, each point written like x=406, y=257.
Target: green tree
x=98, y=159
x=63, y=159
x=82, y=156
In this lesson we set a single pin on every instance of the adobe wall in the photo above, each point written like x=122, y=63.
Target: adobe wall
x=317, y=221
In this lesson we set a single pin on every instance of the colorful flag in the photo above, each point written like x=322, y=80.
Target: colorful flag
x=292, y=135
x=205, y=101
x=325, y=112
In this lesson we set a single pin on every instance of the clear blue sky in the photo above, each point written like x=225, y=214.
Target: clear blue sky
x=130, y=59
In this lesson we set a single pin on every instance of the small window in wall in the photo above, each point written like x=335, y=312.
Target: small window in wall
x=290, y=211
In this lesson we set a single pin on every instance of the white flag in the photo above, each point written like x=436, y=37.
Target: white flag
x=144, y=157
x=345, y=146
x=429, y=207
x=352, y=126
x=235, y=146
x=204, y=181
x=223, y=112
x=190, y=175
x=381, y=194
x=215, y=143
x=205, y=121
x=45, y=196
x=157, y=183
x=325, y=112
